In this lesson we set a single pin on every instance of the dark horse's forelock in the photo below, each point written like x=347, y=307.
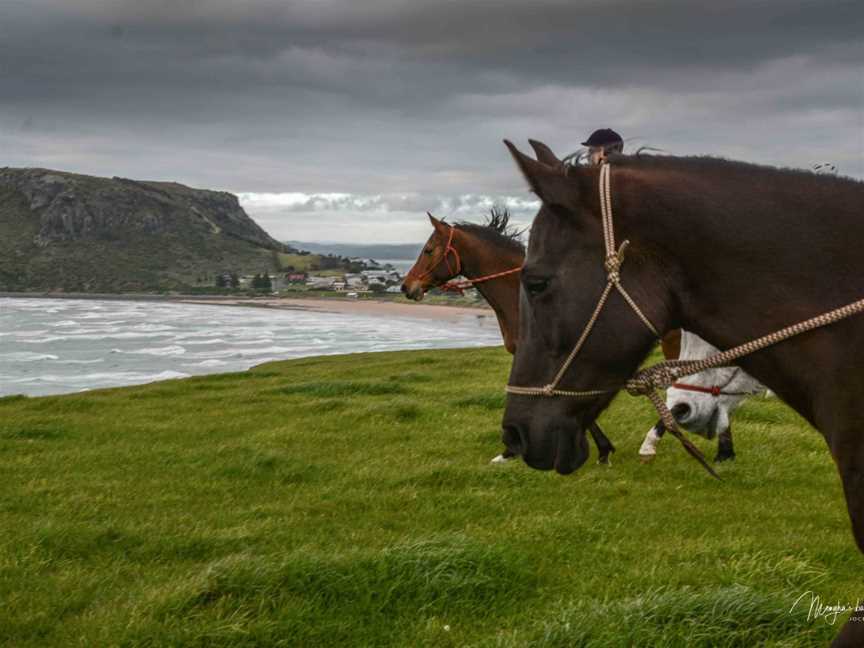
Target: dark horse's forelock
x=496, y=229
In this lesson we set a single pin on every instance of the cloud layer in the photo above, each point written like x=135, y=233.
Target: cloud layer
x=371, y=113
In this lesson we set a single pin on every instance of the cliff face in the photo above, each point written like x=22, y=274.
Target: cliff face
x=146, y=235
x=72, y=207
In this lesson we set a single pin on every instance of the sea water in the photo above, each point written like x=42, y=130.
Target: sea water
x=54, y=346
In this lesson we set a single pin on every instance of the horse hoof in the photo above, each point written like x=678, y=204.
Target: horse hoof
x=500, y=459
x=722, y=458
x=646, y=458
x=604, y=461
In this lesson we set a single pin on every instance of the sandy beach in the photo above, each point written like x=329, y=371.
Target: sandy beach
x=351, y=306
x=372, y=307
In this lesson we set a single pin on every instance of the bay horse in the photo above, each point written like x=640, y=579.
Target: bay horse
x=729, y=250
x=490, y=250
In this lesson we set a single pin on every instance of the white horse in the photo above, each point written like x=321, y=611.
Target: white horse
x=702, y=403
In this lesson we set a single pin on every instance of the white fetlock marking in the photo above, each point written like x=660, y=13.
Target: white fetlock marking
x=649, y=445
x=500, y=459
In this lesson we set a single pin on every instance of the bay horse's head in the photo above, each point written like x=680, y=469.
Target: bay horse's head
x=566, y=273
x=438, y=262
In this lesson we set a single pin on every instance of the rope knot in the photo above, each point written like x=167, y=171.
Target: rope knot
x=613, y=262
x=613, y=265
x=547, y=390
x=649, y=380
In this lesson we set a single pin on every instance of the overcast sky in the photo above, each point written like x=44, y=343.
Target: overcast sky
x=345, y=120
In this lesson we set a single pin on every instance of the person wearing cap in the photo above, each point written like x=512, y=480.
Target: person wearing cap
x=602, y=142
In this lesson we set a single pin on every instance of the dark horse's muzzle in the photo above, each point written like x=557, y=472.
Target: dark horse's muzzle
x=565, y=450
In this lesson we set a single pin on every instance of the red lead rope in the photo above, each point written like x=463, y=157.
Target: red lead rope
x=459, y=286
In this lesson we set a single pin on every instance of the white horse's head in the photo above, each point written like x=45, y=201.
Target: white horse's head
x=707, y=412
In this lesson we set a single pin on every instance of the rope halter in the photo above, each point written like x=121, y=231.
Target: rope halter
x=716, y=390
x=456, y=286
x=444, y=258
x=614, y=258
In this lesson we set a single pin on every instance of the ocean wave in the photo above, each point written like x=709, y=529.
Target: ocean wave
x=102, y=379
x=152, y=327
x=241, y=353
x=209, y=363
x=173, y=350
x=26, y=356
x=258, y=341
x=29, y=334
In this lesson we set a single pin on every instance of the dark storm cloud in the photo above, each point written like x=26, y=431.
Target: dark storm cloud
x=382, y=98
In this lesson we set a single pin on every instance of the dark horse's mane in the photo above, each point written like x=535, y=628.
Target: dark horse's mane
x=723, y=165
x=496, y=230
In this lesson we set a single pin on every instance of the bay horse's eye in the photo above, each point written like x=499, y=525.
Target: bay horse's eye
x=536, y=285
x=427, y=251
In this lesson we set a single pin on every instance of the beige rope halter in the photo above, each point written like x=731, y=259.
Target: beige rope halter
x=649, y=381
x=612, y=265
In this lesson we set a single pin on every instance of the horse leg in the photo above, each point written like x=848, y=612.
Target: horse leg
x=604, y=445
x=848, y=451
x=504, y=457
x=725, y=450
x=648, y=449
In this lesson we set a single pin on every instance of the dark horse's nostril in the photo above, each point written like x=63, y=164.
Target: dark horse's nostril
x=681, y=412
x=513, y=438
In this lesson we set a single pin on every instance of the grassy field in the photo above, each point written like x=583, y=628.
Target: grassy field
x=349, y=501
x=307, y=263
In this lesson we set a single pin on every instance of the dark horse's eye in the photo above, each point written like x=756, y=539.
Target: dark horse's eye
x=536, y=285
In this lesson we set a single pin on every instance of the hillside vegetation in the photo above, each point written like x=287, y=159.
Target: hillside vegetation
x=75, y=233
x=349, y=501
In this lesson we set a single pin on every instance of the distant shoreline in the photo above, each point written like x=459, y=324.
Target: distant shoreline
x=373, y=307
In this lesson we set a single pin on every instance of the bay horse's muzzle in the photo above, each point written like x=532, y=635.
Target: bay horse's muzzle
x=413, y=289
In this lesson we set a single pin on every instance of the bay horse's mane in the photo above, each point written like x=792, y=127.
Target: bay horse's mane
x=496, y=230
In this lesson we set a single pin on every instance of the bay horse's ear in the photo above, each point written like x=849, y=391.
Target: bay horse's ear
x=544, y=154
x=549, y=183
x=440, y=226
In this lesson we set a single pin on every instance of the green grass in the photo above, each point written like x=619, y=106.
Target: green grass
x=349, y=501
x=314, y=263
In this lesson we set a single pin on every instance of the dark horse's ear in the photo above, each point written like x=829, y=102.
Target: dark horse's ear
x=549, y=183
x=544, y=154
x=440, y=226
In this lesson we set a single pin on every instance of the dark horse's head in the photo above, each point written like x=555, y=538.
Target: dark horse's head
x=562, y=281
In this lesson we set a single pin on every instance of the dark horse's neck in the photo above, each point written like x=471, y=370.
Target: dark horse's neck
x=739, y=251
x=482, y=257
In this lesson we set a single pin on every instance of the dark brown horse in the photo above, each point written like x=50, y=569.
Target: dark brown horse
x=728, y=250
x=490, y=250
